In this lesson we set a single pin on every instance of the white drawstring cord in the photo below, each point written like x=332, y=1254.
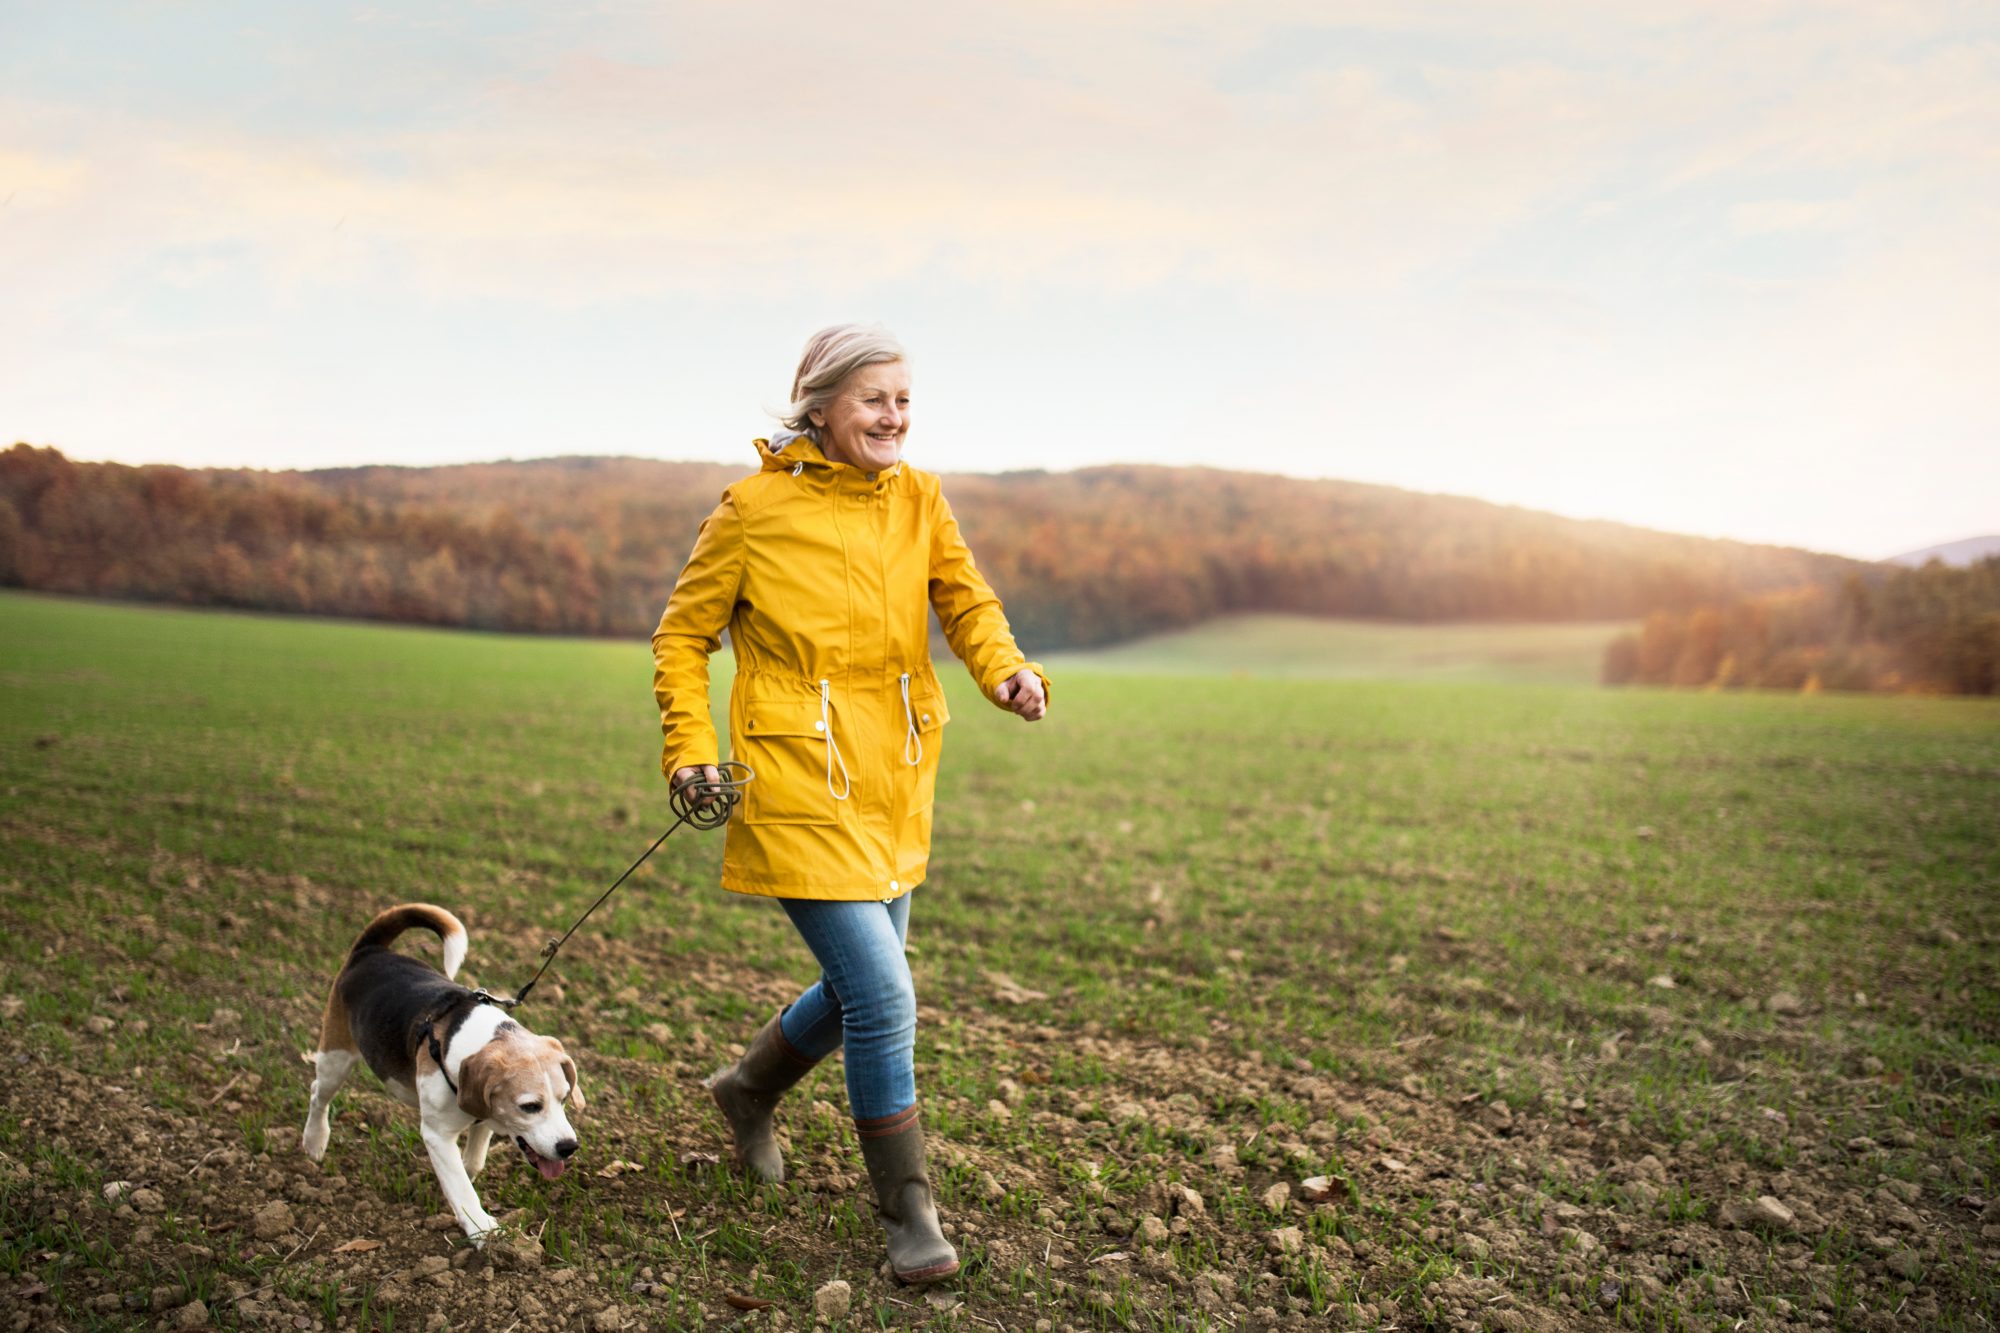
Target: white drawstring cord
x=833, y=754
x=912, y=736
x=798, y=467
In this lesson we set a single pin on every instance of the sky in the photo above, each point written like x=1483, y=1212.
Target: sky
x=1728, y=267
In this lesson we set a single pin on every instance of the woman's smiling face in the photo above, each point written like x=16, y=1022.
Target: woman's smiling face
x=863, y=425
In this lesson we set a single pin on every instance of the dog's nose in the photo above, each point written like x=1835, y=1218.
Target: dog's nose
x=566, y=1148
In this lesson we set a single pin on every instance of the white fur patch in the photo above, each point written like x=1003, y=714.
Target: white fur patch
x=477, y=1029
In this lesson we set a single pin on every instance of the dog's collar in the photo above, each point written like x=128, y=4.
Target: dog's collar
x=429, y=1030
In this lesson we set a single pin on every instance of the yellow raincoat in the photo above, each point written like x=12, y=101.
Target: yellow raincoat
x=824, y=575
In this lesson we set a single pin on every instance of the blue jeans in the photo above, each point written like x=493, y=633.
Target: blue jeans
x=864, y=999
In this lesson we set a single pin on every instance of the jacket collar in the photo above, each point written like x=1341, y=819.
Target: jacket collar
x=797, y=454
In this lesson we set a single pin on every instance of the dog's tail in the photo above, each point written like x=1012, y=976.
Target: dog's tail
x=409, y=916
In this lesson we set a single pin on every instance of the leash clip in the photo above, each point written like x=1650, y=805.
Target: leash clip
x=484, y=996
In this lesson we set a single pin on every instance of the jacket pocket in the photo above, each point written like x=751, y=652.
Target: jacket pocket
x=784, y=742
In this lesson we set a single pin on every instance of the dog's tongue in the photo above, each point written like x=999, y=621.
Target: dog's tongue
x=550, y=1167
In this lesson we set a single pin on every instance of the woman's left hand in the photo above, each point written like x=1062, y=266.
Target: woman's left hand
x=1022, y=693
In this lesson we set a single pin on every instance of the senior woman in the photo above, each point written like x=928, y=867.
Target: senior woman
x=824, y=567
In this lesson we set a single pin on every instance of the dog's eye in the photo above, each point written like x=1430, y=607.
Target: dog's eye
x=532, y=1108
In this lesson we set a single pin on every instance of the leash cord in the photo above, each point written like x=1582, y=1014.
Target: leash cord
x=697, y=802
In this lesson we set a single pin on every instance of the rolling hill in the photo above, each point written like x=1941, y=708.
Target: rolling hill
x=1087, y=558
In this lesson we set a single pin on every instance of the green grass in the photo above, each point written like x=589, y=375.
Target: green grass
x=1321, y=923
x=1314, y=648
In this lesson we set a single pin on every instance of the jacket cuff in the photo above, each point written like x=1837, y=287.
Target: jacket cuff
x=692, y=756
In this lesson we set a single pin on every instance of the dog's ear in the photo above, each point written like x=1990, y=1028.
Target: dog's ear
x=569, y=1072
x=475, y=1080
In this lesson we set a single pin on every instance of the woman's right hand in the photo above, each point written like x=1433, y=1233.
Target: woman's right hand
x=703, y=773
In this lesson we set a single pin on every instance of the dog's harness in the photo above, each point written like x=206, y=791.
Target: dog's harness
x=429, y=1033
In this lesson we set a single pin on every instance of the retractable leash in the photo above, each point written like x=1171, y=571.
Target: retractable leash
x=698, y=802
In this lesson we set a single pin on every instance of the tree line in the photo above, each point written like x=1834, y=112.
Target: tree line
x=1933, y=629
x=592, y=546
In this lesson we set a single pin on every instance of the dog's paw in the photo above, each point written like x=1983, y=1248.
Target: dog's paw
x=313, y=1144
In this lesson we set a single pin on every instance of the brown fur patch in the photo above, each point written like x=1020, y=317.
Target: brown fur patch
x=476, y=1075
x=393, y=921
x=569, y=1072
x=334, y=1034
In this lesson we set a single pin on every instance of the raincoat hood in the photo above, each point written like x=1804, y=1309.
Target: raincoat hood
x=790, y=449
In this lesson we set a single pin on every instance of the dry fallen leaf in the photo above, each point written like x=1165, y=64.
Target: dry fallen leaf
x=1009, y=991
x=743, y=1302
x=357, y=1246
x=1112, y=1257
x=697, y=1158
x=616, y=1167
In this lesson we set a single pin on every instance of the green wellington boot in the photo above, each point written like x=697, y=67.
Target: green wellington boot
x=748, y=1093
x=893, y=1147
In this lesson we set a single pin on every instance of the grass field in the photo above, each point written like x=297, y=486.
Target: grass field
x=1551, y=984
x=1304, y=646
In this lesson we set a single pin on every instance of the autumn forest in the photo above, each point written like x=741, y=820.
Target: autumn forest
x=1100, y=555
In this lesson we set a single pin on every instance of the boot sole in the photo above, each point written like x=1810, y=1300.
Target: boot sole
x=921, y=1276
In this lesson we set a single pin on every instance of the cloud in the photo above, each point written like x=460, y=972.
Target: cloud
x=1763, y=216
x=772, y=146
x=1470, y=241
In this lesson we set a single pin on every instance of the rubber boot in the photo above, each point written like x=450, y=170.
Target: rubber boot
x=748, y=1093
x=893, y=1147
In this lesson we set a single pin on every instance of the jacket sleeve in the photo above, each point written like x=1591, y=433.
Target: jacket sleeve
x=691, y=630
x=974, y=624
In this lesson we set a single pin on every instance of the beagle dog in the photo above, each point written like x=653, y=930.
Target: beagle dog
x=450, y=1052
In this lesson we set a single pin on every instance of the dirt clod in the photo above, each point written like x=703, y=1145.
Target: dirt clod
x=273, y=1220
x=192, y=1315
x=1768, y=1211
x=832, y=1301
x=515, y=1254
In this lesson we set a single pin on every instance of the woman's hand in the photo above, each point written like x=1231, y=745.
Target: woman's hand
x=1021, y=693
x=703, y=773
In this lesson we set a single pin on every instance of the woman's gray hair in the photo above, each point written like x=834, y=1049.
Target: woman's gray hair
x=832, y=355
